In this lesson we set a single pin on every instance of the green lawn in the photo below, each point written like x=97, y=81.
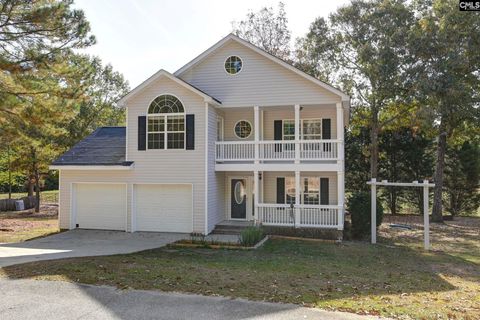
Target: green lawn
x=50, y=196
x=395, y=279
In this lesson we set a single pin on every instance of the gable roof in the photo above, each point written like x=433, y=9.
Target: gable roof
x=232, y=37
x=104, y=147
x=164, y=73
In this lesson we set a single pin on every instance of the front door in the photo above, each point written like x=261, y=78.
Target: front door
x=238, y=199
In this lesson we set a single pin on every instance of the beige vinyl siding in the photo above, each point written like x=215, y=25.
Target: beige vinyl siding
x=153, y=166
x=231, y=116
x=215, y=196
x=270, y=114
x=270, y=184
x=171, y=166
x=261, y=81
x=282, y=113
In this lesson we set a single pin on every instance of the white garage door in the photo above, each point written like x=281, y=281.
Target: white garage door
x=163, y=208
x=100, y=206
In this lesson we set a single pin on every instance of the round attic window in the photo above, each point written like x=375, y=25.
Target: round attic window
x=233, y=65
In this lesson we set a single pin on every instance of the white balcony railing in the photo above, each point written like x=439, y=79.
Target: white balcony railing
x=277, y=150
x=235, y=150
x=310, y=216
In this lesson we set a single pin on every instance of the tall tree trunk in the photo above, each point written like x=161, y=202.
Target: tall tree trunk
x=439, y=168
x=36, y=175
x=9, y=174
x=374, y=144
x=30, y=185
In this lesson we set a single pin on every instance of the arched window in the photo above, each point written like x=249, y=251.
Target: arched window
x=166, y=123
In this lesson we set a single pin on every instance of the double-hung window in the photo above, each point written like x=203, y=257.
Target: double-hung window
x=310, y=129
x=310, y=190
x=166, y=123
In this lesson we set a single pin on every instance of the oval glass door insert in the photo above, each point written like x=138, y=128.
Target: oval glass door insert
x=239, y=192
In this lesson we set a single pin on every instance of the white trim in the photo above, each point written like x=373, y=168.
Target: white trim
x=73, y=201
x=126, y=135
x=91, y=167
x=232, y=167
x=235, y=133
x=170, y=76
x=206, y=139
x=232, y=74
x=232, y=37
x=134, y=211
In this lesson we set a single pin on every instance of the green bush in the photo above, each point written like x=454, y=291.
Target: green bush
x=251, y=236
x=359, y=205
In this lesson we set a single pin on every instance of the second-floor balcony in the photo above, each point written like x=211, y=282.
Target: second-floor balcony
x=277, y=150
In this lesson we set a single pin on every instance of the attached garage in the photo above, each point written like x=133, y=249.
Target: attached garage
x=163, y=207
x=100, y=206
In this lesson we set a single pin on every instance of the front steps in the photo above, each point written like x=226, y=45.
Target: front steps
x=231, y=227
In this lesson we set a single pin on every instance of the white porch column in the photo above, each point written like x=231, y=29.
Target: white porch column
x=256, y=195
x=341, y=165
x=297, y=198
x=256, y=132
x=297, y=133
x=340, y=135
x=340, y=198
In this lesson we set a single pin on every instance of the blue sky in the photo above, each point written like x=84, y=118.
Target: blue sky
x=139, y=37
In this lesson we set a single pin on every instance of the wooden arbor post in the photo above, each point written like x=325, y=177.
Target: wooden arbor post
x=426, y=222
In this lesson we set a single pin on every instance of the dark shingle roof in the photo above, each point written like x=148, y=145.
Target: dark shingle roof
x=105, y=147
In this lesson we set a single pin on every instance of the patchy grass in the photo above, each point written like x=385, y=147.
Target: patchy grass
x=50, y=196
x=18, y=226
x=395, y=278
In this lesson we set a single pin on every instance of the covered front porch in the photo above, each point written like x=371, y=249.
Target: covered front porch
x=284, y=198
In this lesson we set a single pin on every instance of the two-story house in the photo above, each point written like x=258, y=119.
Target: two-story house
x=235, y=135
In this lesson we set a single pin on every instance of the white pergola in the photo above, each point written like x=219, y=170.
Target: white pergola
x=426, y=223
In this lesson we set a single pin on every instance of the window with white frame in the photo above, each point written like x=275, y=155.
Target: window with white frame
x=310, y=193
x=290, y=190
x=233, y=65
x=166, y=123
x=243, y=129
x=311, y=190
x=310, y=129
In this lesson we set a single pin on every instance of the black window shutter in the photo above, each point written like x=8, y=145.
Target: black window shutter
x=277, y=129
x=326, y=128
x=190, y=132
x=142, y=133
x=280, y=190
x=278, y=134
x=324, y=191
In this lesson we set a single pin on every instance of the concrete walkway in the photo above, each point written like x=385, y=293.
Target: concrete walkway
x=31, y=299
x=79, y=243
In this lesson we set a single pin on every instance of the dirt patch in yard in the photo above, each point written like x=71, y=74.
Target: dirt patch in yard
x=16, y=226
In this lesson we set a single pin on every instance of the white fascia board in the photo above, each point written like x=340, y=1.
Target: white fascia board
x=331, y=167
x=164, y=73
x=88, y=168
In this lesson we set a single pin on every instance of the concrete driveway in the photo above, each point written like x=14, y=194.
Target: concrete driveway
x=80, y=243
x=35, y=299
